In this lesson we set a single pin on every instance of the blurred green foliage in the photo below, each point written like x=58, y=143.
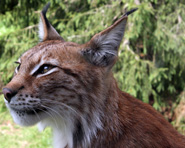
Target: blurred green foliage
x=151, y=56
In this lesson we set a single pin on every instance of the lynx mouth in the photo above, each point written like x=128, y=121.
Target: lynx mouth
x=33, y=111
x=28, y=116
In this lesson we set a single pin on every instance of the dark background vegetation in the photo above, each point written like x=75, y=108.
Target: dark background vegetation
x=151, y=63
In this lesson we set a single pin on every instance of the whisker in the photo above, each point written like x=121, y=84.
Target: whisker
x=50, y=115
x=36, y=114
x=51, y=110
x=67, y=106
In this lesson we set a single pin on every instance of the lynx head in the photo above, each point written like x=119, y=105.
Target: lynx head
x=60, y=80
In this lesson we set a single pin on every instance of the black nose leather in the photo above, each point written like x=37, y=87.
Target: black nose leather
x=8, y=94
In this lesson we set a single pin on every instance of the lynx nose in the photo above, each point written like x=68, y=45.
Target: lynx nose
x=8, y=94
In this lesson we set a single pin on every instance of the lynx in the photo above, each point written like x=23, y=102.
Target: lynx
x=70, y=88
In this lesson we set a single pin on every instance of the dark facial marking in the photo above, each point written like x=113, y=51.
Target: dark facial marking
x=78, y=134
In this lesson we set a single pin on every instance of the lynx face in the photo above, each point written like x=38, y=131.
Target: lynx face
x=63, y=84
x=48, y=79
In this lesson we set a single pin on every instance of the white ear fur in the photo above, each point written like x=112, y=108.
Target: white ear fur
x=102, y=49
x=41, y=30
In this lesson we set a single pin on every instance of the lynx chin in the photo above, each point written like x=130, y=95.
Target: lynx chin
x=70, y=88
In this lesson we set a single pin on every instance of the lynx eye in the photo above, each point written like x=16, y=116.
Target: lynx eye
x=18, y=67
x=44, y=69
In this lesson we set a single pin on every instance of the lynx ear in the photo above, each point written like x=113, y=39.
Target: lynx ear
x=102, y=49
x=46, y=30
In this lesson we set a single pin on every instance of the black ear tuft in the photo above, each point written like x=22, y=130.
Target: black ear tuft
x=129, y=12
x=44, y=11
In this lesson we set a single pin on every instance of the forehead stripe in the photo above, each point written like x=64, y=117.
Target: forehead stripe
x=35, y=68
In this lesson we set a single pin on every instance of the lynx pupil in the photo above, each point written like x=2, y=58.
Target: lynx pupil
x=45, y=69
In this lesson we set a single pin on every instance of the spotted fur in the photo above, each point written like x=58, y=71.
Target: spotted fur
x=70, y=87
